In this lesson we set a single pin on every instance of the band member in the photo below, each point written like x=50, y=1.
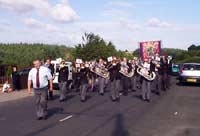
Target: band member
x=51, y=68
x=92, y=77
x=158, y=71
x=39, y=77
x=164, y=64
x=134, y=77
x=84, y=81
x=115, y=77
x=169, y=62
x=125, y=80
x=101, y=80
x=146, y=84
x=63, y=80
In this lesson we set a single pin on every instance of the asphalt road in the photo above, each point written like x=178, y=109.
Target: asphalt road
x=174, y=113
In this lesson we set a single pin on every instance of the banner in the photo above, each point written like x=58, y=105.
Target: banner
x=149, y=48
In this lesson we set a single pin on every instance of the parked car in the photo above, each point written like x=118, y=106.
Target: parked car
x=175, y=69
x=190, y=73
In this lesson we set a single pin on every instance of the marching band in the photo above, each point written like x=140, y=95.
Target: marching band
x=151, y=74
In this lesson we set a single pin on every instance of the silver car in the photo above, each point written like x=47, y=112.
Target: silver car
x=190, y=73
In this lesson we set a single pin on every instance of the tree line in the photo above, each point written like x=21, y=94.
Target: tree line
x=92, y=47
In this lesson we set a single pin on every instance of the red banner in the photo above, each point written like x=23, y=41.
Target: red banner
x=149, y=48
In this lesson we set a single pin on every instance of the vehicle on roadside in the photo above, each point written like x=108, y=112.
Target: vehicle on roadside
x=175, y=69
x=189, y=73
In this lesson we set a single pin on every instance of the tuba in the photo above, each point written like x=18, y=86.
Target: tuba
x=145, y=73
x=100, y=71
x=124, y=71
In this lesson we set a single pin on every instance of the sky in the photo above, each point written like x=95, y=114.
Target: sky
x=124, y=22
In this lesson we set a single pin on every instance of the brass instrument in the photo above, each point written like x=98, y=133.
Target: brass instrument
x=100, y=71
x=124, y=71
x=145, y=73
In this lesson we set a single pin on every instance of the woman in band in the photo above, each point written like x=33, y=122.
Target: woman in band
x=101, y=80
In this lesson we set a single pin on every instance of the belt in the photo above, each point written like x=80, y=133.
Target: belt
x=40, y=88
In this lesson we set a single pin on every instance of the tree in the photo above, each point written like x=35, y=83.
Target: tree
x=94, y=47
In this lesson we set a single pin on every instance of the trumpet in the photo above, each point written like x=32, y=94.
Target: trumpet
x=145, y=73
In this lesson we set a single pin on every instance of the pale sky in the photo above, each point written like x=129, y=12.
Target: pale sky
x=124, y=22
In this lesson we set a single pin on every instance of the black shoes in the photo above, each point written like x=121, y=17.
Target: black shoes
x=83, y=100
x=41, y=118
x=101, y=94
x=38, y=118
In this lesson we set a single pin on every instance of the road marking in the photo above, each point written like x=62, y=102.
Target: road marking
x=66, y=118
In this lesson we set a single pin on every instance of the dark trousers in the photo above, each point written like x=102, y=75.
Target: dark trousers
x=40, y=101
x=146, y=89
x=114, y=87
x=83, y=90
x=101, y=84
x=125, y=84
x=63, y=89
x=134, y=83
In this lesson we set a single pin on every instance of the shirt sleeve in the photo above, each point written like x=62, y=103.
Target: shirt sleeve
x=49, y=76
x=30, y=75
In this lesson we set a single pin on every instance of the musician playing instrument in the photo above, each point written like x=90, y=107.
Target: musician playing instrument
x=157, y=82
x=134, y=77
x=101, y=80
x=126, y=66
x=115, y=77
x=146, y=84
x=84, y=81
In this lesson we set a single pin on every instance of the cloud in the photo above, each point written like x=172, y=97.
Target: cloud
x=61, y=12
x=155, y=22
x=122, y=4
x=118, y=9
x=33, y=23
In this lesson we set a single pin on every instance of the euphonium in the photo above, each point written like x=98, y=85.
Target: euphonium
x=145, y=73
x=100, y=71
x=124, y=71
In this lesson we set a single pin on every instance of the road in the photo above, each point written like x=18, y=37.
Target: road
x=174, y=113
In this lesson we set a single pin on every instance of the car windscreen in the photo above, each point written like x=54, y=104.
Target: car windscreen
x=191, y=67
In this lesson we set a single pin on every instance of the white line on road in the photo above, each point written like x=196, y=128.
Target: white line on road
x=66, y=118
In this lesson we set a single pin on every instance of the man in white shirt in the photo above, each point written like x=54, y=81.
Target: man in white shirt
x=39, y=77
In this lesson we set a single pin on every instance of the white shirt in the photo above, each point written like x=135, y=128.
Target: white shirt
x=146, y=65
x=44, y=76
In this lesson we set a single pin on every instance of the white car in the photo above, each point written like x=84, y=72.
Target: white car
x=190, y=73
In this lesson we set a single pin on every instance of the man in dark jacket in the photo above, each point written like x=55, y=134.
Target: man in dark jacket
x=115, y=77
x=62, y=80
x=51, y=68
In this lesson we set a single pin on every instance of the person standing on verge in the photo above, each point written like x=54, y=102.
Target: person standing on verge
x=39, y=77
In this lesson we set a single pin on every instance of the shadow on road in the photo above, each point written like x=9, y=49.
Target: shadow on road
x=120, y=129
x=54, y=111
